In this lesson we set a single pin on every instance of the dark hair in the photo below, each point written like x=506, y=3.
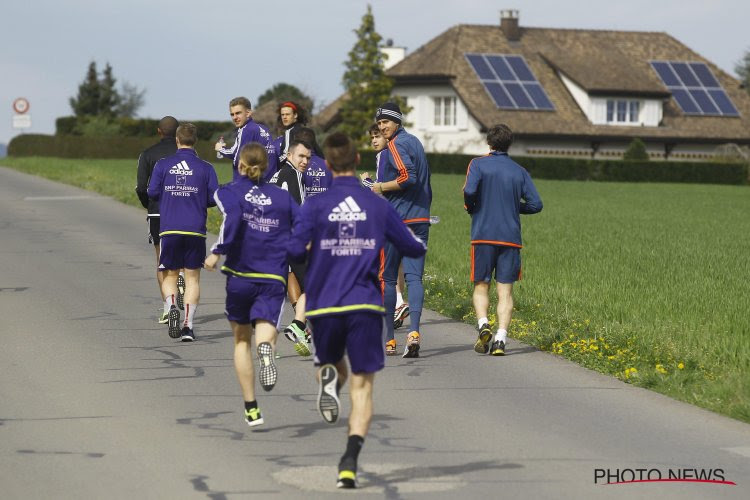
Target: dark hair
x=255, y=157
x=500, y=137
x=240, y=101
x=307, y=136
x=374, y=129
x=293, y=143
x=168, y=126
x=301, y=113
x=187, y=134
x=341, y=153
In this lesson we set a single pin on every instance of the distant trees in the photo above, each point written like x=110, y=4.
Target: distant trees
x=285, y=92
x=742, y=68
x=99, y=96
x=365, y=82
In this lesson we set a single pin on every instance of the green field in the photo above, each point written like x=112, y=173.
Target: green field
x=646, y=282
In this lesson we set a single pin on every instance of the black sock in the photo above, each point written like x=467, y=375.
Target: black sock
x=353, y=445
x=249, y=405
x=299, y=324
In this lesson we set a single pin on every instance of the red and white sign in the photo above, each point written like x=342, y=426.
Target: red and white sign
x=21, y=106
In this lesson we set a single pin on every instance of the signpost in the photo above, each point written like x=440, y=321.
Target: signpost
x=22, y=118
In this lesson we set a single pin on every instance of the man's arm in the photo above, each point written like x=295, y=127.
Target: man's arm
x=142, y=178
x=401, y=236
x=231, y=212
x=471, y=187
x=213, y=186
x=302, y=232
x=532, y=202
x=155, y=183
x=407, y=171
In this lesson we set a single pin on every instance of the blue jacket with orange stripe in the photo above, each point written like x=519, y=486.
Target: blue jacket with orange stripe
x=496, y=192
x=406, y=163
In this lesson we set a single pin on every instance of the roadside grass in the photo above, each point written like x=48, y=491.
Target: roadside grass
x=645, y=282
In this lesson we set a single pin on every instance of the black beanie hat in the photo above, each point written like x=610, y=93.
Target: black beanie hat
x=389, y=111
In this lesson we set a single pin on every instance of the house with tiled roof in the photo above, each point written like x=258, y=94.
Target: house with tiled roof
x=569, y=92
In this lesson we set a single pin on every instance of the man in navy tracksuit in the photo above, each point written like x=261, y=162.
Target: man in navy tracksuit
x=405, y=183
x=496, y=192
x=247, y=131
x=184, y=186
x=347, y=227
x=257, y=226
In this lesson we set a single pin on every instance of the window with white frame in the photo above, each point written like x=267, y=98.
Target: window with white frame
x=445, y=111
x=622, y=111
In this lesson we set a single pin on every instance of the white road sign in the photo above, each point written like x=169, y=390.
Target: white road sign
x=21, y=121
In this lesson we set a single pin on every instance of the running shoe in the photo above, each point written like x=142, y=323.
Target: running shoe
x=498, y=348
x=390, y=347
x=299, y=337
x=328, y=398
x=267, y=372
x=402, y=312
x=482, y=345
x=181, y=292
x=164, y=318
x=412, y=345
x=173, y=319
x=187, y=335
x=253, y=417
x=347, y=474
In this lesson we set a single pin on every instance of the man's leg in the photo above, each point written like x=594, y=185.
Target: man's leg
x=504, y=313
x=481, y=300
x=265, y=341
x=243, y=360
x=159, y=273
x=413, y=273
x=390, y=276
x=192, y=294
x=360, y=417
x=169, y=290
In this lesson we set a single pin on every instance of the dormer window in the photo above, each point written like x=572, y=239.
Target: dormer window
x=623, y=111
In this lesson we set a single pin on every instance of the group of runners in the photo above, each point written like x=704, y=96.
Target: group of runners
x=299, y=224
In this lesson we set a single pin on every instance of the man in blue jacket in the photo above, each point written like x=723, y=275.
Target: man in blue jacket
x=496, y=192
x=346, y=228
x=247, y=131
x=184, y=185
x=404, y=180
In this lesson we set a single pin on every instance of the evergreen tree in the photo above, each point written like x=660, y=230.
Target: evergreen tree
x=87, y=101
x=131, y=100
x=636, y=151
x=365, y=82
x=742, y=68
x=109, y=98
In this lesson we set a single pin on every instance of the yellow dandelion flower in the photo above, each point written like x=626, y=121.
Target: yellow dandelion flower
x=681, y=366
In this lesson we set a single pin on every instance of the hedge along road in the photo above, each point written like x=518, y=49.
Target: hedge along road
x=98, y=401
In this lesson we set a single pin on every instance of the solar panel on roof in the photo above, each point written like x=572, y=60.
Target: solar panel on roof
x=509, y=81
x=695, y=88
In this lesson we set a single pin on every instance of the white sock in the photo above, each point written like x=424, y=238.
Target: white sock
x=168, y=302
x=482, y=321
x=501, y=335
x=189, y=313
x=399, y=299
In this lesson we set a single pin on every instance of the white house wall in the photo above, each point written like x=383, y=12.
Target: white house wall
x=465, y=137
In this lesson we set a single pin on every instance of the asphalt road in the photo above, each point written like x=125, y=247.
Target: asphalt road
x=96, y=401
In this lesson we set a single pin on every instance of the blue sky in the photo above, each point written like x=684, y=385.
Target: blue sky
x=191, y=57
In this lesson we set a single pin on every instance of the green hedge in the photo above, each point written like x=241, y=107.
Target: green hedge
x=73, y=146
x=146, y=127
x=538, y=167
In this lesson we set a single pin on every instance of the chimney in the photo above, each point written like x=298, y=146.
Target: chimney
x=509, y=24
x=392, y=55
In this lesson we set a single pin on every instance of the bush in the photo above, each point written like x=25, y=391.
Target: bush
x=135, y=127
x=636, y=151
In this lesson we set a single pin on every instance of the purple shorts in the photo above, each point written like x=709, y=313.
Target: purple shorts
x=358, y=334
x=179, y=251
x=248, y=300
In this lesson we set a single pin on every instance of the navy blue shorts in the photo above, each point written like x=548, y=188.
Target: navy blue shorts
x=179, y=251
x=249, y=301
x=358, y=334
x=504, y=261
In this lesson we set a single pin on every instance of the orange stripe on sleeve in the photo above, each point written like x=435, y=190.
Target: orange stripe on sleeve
x=403, y=174
x=380, y=274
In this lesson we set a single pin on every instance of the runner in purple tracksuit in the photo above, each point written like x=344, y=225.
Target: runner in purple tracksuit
x=247, y=131
x=184, y=185
x=257, y=224
x=347, y=227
